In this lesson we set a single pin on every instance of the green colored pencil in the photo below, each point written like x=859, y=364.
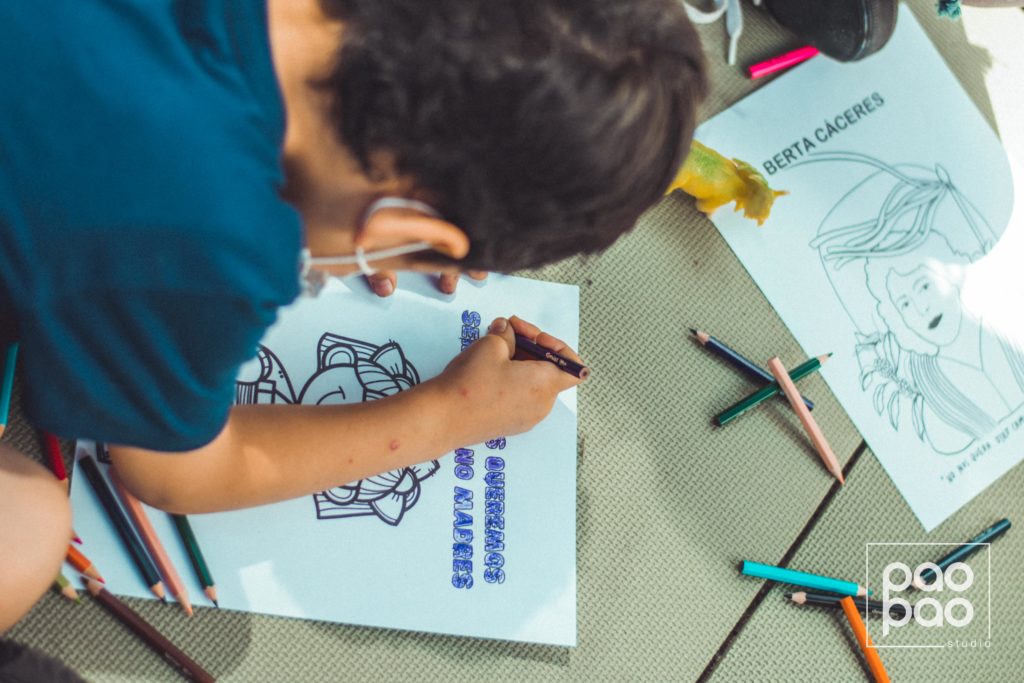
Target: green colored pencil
x=195, y=554
x=768, y=391
x=64, y=587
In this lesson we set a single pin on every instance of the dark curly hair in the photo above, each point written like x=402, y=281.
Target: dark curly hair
x=542, y=128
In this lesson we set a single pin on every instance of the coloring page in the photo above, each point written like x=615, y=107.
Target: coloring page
x=897, y=248
x=480, y=542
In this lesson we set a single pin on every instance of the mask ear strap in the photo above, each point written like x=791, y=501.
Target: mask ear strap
x=398, y=203
x=391, y=203
x=364, y=267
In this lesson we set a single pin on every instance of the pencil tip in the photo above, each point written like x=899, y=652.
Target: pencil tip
x=216, y=604
x=693, y=331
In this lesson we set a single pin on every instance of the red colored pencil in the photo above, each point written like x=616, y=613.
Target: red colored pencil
x=52, y=446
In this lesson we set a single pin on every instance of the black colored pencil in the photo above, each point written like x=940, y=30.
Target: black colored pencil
x=123, y=526
x=830, y=600
x=740, y=362
x=532, y=348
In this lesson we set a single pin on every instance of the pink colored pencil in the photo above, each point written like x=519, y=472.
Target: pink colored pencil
x=806, y=419
x=783, y=61
x=148, y=535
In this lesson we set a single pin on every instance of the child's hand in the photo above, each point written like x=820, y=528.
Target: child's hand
x=489, y=395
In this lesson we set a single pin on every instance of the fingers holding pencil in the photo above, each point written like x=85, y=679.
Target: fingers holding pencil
x=535, y=334
x=531, y=343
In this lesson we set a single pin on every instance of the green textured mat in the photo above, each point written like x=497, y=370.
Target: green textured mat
x=667, y=505
x=787, y=642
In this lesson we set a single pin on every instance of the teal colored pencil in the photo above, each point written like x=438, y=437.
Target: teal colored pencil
x=814, y=581
x=7, y=385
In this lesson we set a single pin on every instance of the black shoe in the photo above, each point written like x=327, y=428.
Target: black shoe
x=19, y=664
x=846, y=30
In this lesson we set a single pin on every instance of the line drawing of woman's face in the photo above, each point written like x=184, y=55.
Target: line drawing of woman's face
x=928, y=303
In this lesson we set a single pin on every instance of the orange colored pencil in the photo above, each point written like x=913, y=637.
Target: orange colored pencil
x=83, y=564
x=821, y=444
x=861, y=631
x=148, y=535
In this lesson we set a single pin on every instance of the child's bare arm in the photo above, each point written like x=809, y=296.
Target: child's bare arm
x=268, y=453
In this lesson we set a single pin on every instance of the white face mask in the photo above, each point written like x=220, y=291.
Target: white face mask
x=312, y=281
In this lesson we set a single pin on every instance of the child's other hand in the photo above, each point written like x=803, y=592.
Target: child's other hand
x=383, y=282
x=489, y=395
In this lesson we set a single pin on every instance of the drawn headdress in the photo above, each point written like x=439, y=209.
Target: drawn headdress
x=905, y=217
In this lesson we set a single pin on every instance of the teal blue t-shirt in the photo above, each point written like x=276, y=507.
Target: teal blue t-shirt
x=144, y=247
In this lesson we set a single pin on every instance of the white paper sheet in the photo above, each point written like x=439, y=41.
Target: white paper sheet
x=899, y=249
x=409, y=549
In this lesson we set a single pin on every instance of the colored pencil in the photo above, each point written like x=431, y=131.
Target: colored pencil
x=156, y=549
x=783, y=61
x=739, y=361
x=769, y=390
x=51, y=444
x=805, y=579
x=195, y=554
x=861, y=631
x=82, y=564
x=7, y=384
x=806, y=419
x=123, y=527
x=64, y=587
x=963, y=551
x=538, y=352
x=185, y=665
x=829, y=600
